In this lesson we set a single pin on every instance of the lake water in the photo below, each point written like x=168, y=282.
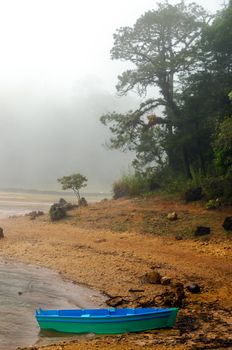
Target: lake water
x=25, y=288
x=16, y=203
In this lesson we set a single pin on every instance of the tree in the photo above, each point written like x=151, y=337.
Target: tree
x=223, y=144
x=205, y=101
x=74, y=182
x=163, y=46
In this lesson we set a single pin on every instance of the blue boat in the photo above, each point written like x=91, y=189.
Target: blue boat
x=106, y=321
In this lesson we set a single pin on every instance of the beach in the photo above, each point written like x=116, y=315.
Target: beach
x=109, y=247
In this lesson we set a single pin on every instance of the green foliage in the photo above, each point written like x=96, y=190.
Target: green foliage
x=176, y=49
x=212, y=204
x=227, y=196
x=162, y=46
x=219, y=187
x=197, y=177
x=214, y=187
x=223, y=145
x=131, y=185
x=74, y=182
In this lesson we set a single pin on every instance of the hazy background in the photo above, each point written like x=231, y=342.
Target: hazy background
x=56, y=80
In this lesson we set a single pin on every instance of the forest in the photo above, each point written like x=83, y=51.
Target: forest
x=181, y=133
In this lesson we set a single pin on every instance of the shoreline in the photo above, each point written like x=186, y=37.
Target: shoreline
x=84, y=248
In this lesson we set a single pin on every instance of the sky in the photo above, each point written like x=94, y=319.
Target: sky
x=56, y=80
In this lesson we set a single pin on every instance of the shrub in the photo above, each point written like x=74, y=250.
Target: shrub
x=214, y=187
x=212, y=204
x=130, y=185
x=227, y=195
x=219, y=187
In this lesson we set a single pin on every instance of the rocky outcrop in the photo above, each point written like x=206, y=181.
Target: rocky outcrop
x=57, y=212
x=67, y=205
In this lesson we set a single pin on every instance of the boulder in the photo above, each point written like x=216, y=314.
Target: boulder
x=201, y=231
x=193, y=194
x=179, y=237
x=83, y=202
x=62, y=202
x=66, y=205
x=115, y=301
x=152, y=277
x=172, y=297
x=56, y=212
x=166, y=281
x=227, y=224
x=172, y=216
x=193, y=288
x=1, y=233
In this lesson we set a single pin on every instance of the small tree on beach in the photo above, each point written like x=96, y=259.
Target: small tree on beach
x=74, y=182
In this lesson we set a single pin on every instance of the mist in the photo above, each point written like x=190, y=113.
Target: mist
x=56, y=80
x=45, y=137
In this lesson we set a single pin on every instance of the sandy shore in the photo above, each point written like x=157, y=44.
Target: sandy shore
x=113, y=261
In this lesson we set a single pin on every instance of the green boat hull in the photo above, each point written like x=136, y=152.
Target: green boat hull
x=106, y=326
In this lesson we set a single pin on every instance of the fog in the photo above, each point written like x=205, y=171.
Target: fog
x=56, y=80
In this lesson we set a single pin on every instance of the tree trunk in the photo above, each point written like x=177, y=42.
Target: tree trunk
x=186, y=163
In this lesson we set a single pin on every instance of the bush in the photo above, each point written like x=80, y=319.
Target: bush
x=214, y=187
x=219, y=187
x=227, y=195
x=130, y=185
x=212, y=204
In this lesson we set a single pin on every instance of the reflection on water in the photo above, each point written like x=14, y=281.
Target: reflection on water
x=25, y=288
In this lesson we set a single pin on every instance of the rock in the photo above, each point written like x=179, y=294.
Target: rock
x=165, y=281
x=34, y=214
x=172, y=216
x=179, y=237
x=201, y=231
x=83, y=202
x=132, y=290
x=227, y=224
x=178, y=289
x=62, y=202
x=173, y=297
x=1, y=233
x=193, y=288
x=193, y=194
x=56, y=212
x=145, y=302
x=153, y=277
x=115, y=301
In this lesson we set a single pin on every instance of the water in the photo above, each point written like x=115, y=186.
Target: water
x=25, y=288
x=16, y=203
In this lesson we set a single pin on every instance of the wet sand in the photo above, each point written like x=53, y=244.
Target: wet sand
x=25, y=288
x=113, y=261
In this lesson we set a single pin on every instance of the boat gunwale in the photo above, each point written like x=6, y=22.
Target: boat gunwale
x=155, y=313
